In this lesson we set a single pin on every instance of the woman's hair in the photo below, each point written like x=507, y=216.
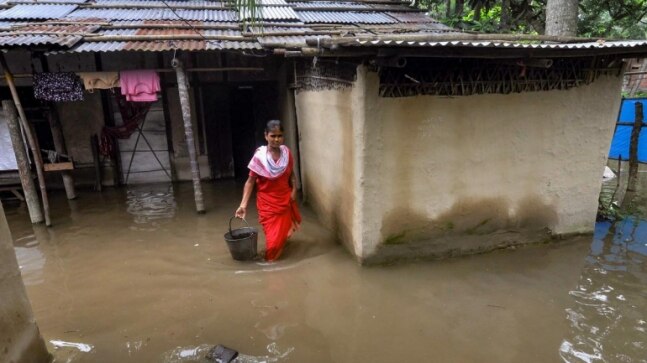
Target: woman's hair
x=273, y=124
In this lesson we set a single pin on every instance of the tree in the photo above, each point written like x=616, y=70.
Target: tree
x=618, y=19
x=561, y=17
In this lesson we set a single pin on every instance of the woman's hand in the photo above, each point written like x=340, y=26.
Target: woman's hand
x=241, y=212
x=293, y=195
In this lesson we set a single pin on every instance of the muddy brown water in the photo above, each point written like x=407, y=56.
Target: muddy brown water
x=134, y=275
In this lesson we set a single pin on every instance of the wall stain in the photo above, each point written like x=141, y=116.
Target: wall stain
x=474, y=217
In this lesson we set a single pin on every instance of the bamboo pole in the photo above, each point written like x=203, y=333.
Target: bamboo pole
x=633, y=148
x=28, y=187
x=160, y=37
x=44, y=32
x=31, y=139
x=182, y=87
x=59, y=146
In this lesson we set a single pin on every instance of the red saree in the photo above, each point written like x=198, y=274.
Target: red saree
x=277, y=212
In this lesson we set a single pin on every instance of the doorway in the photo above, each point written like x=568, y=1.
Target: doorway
x=235, y=118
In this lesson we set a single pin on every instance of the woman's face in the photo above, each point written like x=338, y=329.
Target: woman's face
x=274, y=138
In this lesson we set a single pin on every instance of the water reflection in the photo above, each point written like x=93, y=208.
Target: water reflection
x=151, y=203
x=608, y=317
x=30, y=259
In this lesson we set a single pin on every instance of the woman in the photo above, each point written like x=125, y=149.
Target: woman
x=271, y=169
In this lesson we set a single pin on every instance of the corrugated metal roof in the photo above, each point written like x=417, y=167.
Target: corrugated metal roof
x=411, y=17
x=273, y=13
x=70, y=35
x=46, y=1
x=37, y=39
x=203, y=15
x=493, y=44
x=292, y=40
x=328, y=4
x=46, y=11
x=156, y=46
x=230, y=45
x=160, y=3
x=273, y=2
x=6, y=24
x=157, y=14
x=344, y=17
x=118, y=14
x=167, y=45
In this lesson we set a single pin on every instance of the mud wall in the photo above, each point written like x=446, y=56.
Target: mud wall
x=327, y=125
x=468, y=174
x=20, y=340
x=436, y=176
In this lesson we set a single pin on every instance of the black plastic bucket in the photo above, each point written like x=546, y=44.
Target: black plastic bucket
x=242, y=242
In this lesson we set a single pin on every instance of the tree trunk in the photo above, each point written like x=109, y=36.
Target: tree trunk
x=458, y=10
x=477, y=12
x=448, y=10
x=561, y=17
x=504, y=25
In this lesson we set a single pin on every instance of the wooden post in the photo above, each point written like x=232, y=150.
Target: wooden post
x=98, y=178
x=31, y=139
x=59, y=146
x=633, y=148
x=28, y=187
x=182, y=87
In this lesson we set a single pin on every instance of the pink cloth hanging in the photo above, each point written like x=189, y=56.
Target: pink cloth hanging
x=140, y=85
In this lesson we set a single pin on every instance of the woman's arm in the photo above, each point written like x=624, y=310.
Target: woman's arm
x=293, y=184
x=247, y=193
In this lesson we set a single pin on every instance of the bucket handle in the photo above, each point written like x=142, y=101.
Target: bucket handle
x=232, y=218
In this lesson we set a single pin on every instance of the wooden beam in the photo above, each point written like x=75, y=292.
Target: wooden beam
x=67, y=165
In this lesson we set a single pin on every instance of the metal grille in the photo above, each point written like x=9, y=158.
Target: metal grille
x=318, y=75
x=471, y=77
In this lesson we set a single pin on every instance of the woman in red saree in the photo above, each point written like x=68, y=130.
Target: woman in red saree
x=272, y=171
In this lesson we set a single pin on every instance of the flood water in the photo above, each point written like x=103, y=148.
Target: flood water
x=135, y=275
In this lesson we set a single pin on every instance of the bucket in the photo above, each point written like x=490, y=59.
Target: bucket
x=242, y=241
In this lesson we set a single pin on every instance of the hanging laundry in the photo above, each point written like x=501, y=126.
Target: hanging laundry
x=132, y=114
x=99, y=80
x=140, y=85
x=57, y=87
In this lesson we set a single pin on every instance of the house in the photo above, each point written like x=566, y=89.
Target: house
x=412, y=139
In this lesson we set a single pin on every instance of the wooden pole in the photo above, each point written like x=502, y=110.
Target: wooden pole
x=59, y=146
x=28, y=187
x=94, y=145
x=31, y=139
x=633, y=148
x=182, y=87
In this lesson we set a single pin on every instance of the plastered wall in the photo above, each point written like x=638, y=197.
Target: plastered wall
x=444, y=176
x=328, y=158
x=20, y=340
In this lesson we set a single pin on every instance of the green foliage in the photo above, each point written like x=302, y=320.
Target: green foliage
x=638, y=94
x=610, y=212
x=249, y=11
x=615, y=19
x=618, y=19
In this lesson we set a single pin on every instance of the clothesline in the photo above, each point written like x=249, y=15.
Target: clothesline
x=169, y=70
